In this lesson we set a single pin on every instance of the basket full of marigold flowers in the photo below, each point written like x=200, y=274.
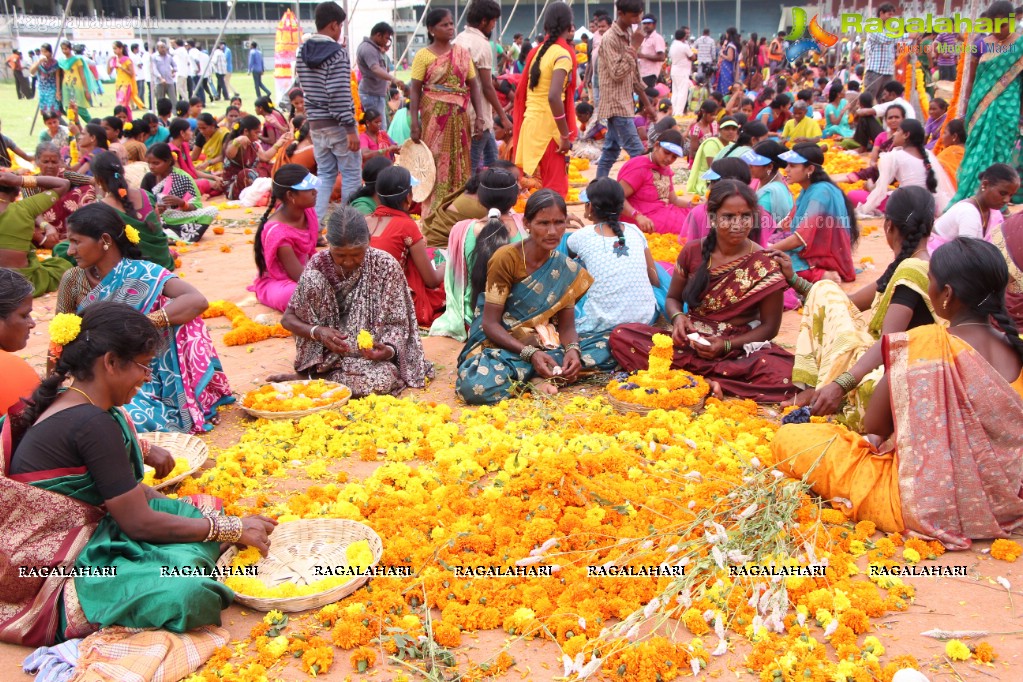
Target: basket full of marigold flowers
x=294, y=399
x=660, y=387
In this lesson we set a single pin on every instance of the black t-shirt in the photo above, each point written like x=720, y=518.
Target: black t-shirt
x=903, y=295
x=83, y=435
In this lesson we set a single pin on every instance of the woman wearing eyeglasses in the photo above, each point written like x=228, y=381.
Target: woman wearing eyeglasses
x=734, y=293
x=187, y=382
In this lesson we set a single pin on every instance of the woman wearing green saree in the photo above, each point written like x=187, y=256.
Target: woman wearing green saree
x=837, y=349
x=994, y=101
x=71, y=467
x=525, y=319
x=19, y=234
x=76, y=82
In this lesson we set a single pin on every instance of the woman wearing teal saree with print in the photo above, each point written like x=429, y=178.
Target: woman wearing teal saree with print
x=188, y=383
x=524, y=328
x=71, y=470
x=994, y=102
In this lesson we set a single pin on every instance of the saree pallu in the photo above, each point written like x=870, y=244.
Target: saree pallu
x=487, y=374
x=1008, y=237
x=735, y=289
x=126, y=87
x=55, y=518
x=992, y=116
x=77, y=85
x=834, y=335
x=821, y=218
x=951, y=471
x=445, y=122
x=951, y=158
x=375, y=298
x=188, y=383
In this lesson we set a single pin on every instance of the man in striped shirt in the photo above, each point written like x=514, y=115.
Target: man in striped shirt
x=325, y=75
x=880, y=55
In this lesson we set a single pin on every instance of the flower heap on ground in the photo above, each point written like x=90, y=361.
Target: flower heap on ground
x=567, y=486
x=244, y=330
x=665, y=247
x=660, y=386
x=838, y=161
x=295, y=395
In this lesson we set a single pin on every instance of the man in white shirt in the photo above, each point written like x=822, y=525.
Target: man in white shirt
x=219, y=68
x=203, y=77
x=682, y=57
x=705, y=49
x=891, y=94
x=652, y=53
x=183, y=68
x=141, y=70
x=602, y=21
x=193, y=74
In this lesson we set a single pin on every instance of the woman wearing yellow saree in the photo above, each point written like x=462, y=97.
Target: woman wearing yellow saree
x=76, y=82
x=943, y=458
x=125, y=85
x=837, y=349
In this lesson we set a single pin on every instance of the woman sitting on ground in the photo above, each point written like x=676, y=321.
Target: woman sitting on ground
x=836, y=113
x=286, y=237
x=16, y=324
x=212, y=147
x=462, y=204
x=364, y=199
x=923, y=418
x=275, y=126
x=134, y=141
x=867, y=128
x=776, y=115
x=953, y=142
x=393, y=231
x=822, y=224
x=348, y=288
x=698, y=221
x=650, y=200
x=375, y=141
x=728, y=132
x=908, y=164
x=75, y=482
x=19, y=232
x=470, y=247
x=937, y=113
x=181, y=144
x=734, y=293
x=1008, y=237
x=837, y=349
x=92, y=140
x=703, y=127
x=113, y=127
x=978, y=216
x=616, y=255
x=187, y=383
x=177, y=196
x=243, y=157
x=765, y=164
x=524, y=329
x=82, y=192
x=751, y=133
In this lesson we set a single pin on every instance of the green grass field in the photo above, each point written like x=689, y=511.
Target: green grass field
x=16, y=114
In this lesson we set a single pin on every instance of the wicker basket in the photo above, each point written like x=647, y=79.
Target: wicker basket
x=179, y=445
x=297, y=546
x=295, y=414
x=626, y=408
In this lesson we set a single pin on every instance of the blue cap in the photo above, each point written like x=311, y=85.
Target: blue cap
x=673, y=148
x=793, y=157
x=309, y=182
x=754, y=159
x=711, y=174
x=583, y=197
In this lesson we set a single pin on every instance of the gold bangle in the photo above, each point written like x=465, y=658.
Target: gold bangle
x=29, y=182
x=213, y=528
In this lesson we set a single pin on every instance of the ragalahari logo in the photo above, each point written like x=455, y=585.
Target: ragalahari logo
x=800, y=43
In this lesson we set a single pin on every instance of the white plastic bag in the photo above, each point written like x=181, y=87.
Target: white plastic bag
x=251, y=195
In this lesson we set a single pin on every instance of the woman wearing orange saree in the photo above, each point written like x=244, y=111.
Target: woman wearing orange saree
x=943, y=458
x=443, y=83
x=125, y=84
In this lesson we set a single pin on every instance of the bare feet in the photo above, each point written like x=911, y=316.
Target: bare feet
x=831, y=275
x=545, y=386
x=284, y=377
x=801, y=399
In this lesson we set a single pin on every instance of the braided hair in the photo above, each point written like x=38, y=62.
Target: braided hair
x=719, y=193
x=556, y=21
x=107, y=327
x=607, y=199
x=498, y=191
x=284, y=179
x=910, y=210
x=915, y=137
x=978, y=275
x=109, y=172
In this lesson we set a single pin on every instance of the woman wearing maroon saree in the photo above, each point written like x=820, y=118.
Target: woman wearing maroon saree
x=734, y=291
x=1008, y=237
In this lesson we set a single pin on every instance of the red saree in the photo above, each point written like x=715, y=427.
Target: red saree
x=735, y=289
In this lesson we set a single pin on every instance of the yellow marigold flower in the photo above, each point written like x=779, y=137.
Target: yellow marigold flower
x=957, y=651
x=363, y=658
x=64, y=328
x=874, y=646
x=273, y=617
x=364, y=340
x=1005, y=550
x=911, y=555
x=277, y=646
x=132, y=235
x=359, y=554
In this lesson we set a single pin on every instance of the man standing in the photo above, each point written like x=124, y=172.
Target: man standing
x=480, y=19
x=776, y=53
x=163, y=73
x=202, y=77
x=219, y=67
x=681, y=56
x=325, y=74
x=229, y=56
x=651, y=52
x=182, y=68
x=602, y=21
x=372, y=62
x=21, y=86
x=880, y=55
x=619, y=75
x=256, y=69
x=705, y=48
x=946, y=55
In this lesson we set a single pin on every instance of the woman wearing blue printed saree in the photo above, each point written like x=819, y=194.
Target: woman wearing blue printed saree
x=993, y=102
x=188, y=382
x=531, y=289
x=71, y=494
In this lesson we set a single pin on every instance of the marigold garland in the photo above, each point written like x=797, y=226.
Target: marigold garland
x=244, y=330
x=665, y=247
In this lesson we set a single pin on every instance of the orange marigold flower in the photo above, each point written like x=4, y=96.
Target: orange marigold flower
x=218, y=230
x=363, y=658
x=1005, y=550
x=985, y=653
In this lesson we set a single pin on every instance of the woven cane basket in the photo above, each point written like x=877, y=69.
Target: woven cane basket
x=625, y=408
x=295, y=414
x=179, y=445
x=295, y=548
